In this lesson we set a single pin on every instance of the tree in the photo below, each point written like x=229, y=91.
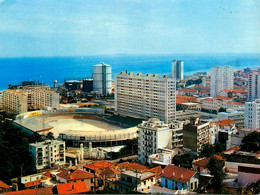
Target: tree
x=222, y=110
x=207, y=150
x=215, y=167
x=251, y=142
x=183, y=160
x=254, y=187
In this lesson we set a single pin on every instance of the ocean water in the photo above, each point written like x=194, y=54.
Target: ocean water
x=45, y=69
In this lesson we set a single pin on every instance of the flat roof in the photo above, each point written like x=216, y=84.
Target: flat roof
x=141, y=176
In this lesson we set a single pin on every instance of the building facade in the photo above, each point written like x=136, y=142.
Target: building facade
x=102, y=78
x=21, y=100
x=252, y=115
x=145, y=96
x=177, y=69
x=152, y=135
x=49, y=153
x=221, y=78
x=253, y=86
x=195, y=134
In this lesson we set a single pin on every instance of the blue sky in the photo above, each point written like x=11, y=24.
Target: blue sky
x=93, y=27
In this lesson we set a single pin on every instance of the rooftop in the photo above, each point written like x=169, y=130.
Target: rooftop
x=72, y=188
x=177, y=173
x=141, y=176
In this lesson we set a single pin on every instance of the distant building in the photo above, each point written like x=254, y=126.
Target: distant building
x=72, y=85
x=195, y=134
x=29, y=98
x=48, y=153
x=145, y=96
x=236, y=138
x=252, y=115
x=177, y=69
x=87, y=85
x=102, y=78
x=253, y=86
x=221, y=78
x=152, y=135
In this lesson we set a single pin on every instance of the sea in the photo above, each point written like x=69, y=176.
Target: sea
x=46, y=69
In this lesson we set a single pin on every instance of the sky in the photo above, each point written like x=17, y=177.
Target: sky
x=31, y=28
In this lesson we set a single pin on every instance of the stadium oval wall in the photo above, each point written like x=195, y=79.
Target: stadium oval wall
x=72, y=137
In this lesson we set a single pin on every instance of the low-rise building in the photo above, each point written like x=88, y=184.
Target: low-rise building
x=178, y=178
x=248, y=175
x=236, y=115
x=152, y=135
x=49, y=153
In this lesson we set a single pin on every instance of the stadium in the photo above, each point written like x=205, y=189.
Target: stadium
x=76, y=126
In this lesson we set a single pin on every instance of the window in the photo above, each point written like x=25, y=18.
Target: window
x=195, y=185
x=82, y=180
x=91, y=180
x=144, y=182
x=191, y=186
x=74, y=180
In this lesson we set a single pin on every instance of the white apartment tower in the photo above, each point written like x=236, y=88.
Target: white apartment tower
x=102, y=78
x=145, y=96
x=177, y=69
x=221, y=78
x=152, y=135
x=254, y=86
x=252, y=115
x=48, y=153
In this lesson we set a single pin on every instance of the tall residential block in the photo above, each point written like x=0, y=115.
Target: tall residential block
x=102, y=78
x=221, y=78
x=145, y=96
x=21, y=100
x=177, y=69
x=252, y=115
x=152, y=135
x=49, y=153
x=195, y=134
x=253, y=86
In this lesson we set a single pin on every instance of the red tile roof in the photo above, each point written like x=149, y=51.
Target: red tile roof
x=44, y=190
x=231, y=150
x=177, y=173
x=33, y=183
x=235, y=103
x=3, y=185
x=47, y=174
x=109, y=172
x=156, y=170
x=235, y=91
x=202, y=162
x=133, y=166
x=184, y=99
x=208, y=99
x=72, y=188
x=187, y=90
x=222, y=98
x=64, y=173
x=99, y=165
x=80, y=174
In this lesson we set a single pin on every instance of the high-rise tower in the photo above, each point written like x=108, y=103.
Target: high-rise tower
x=253, y=86
x=102, y=76
x=177, y=69
x=221, y=78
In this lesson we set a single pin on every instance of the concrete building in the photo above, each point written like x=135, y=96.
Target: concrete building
x=29, y=98
x=252, y=115
x=195, y=134
x=221, y=78
x=49, y=153
x=1, y=100
x=87, y=85
x=102, y=78
x=152, y=135
x=177, y=69
x=145, y=96
x=235, y=115
x=253, y=86
x=72, y=85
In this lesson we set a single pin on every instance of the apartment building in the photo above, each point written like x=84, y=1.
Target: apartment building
x=196, y=133
x=145, y=96
x=221, y=78
x=253, y=86
x=252, y=115
x=214, y=104
x=177, y=69
x=29, y=98
x=152, y=135
x=49, y=153
x=14, y=101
